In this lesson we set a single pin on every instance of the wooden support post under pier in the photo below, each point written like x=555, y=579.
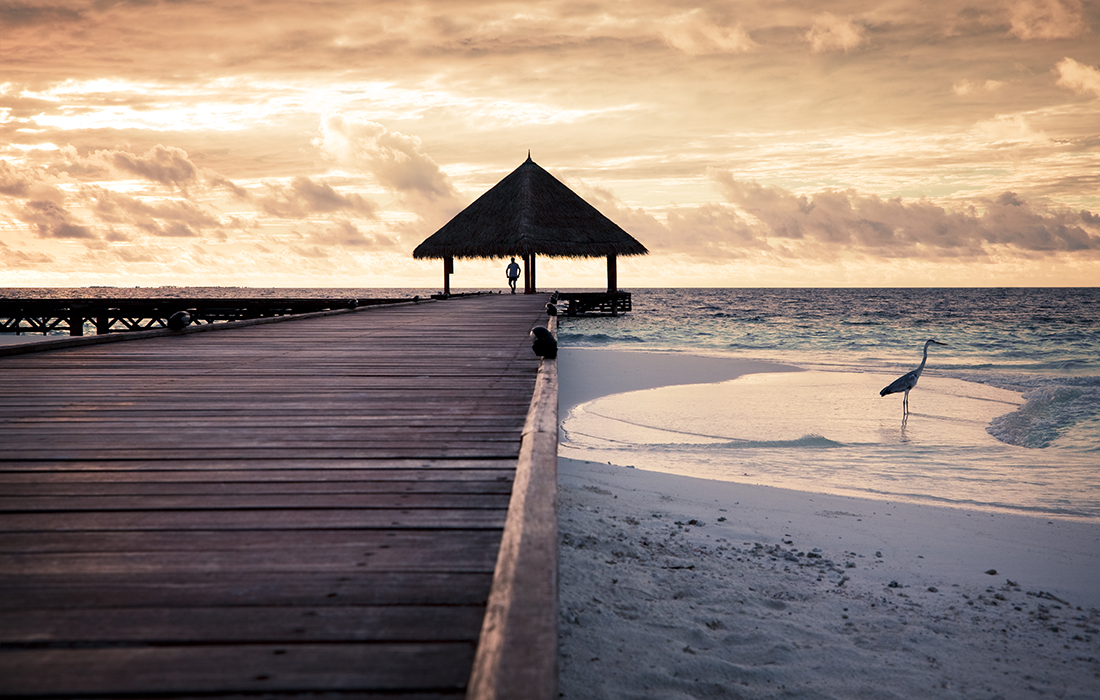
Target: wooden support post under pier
x=448, y=270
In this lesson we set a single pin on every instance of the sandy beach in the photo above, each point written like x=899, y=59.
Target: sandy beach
x=678, y=587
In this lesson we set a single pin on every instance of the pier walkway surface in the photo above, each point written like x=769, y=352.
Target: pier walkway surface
x=310, y=506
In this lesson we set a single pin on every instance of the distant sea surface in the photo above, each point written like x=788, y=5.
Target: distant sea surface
x=1024, y=362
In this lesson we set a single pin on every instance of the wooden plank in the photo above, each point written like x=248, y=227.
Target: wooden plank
x=227, y=669
x=462, y=560
x=355, y=416
x=183, y=588
x=316, y=560
x=58, y=488
x=224, y=437
x=386, y=547
x=318, y=469
x=256, y=480
x=331, y=500
x=435, y=450
x=241, y=625
x=313, y=519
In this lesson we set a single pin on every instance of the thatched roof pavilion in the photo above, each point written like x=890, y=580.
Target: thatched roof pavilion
x=529, y=213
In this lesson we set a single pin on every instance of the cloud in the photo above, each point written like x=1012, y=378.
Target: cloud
x=28, y=183
x=967, y=87
x=347, y=234
x=77, y=211
x=635, y=221
x=169, y=218
x=890, y=228
x=237, y=191
x=758, y=220
x=1047, y=19
x=711, y=231
x=304, y=197
x=695, y=33
x=50, y=220
x=1005, y=128
x=167, y=165
x=12, y=183
x=1079, y=77
x=397, y=161
x=21, y=13
x=43, y=207
x=1011, y=220
x=830, y=33
x=12, y=259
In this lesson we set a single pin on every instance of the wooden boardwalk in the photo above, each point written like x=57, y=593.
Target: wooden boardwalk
x=312, y=506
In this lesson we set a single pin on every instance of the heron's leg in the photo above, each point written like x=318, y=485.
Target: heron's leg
x=905, y=403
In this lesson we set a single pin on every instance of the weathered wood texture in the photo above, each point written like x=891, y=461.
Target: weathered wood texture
x=305, y=507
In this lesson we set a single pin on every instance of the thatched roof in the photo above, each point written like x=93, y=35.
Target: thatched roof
x=527, y=212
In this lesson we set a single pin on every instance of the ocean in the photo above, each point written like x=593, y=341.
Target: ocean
x=1006, y=416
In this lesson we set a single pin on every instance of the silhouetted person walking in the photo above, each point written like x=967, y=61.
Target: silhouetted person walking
x=512, y=271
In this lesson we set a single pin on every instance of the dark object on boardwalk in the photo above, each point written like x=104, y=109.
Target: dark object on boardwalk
x=544, y=344
x=179, y=320
x=551, y=310
x=907, y=381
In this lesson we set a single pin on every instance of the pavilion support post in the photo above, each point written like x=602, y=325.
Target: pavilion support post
x=448, y=270
x=76, y=325
x=529, y=284
x=612, y=274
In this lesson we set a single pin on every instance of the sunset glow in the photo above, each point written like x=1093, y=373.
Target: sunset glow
x=744, y=143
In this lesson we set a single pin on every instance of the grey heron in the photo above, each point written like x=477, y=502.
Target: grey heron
x=909, y=380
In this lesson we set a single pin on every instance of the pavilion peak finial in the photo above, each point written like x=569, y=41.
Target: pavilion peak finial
x=528, y=155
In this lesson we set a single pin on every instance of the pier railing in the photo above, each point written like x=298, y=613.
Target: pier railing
x=123, y=314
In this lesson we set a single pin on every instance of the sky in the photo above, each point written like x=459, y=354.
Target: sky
x=768, y=143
